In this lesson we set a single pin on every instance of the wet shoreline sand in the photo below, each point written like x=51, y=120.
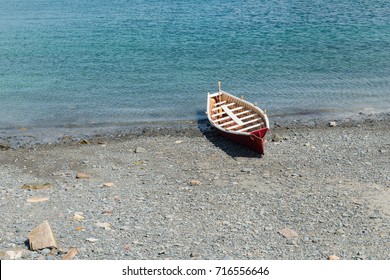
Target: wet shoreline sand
x=187, y=193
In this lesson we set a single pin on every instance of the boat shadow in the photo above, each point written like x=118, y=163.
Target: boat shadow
x=229, y=147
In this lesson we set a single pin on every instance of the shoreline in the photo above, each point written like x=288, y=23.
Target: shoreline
x=27, y=137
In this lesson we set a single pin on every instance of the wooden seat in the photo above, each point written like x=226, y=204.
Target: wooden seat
x=248, y=117
x=239, y=125
x=238, y=114
x=250, y=127
x=220, y=103
x=242, y=119
x=223, y=112
x=218, y=108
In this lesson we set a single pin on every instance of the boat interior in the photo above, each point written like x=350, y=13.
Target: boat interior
x=234, y=115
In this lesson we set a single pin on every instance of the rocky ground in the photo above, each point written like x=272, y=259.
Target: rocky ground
x=319, y=192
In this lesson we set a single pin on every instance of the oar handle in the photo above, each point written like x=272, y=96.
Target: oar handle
x=219, y=85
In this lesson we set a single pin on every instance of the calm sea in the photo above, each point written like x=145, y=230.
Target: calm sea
x=80, y=63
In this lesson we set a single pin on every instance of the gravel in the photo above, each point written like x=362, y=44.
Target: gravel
x=191, y=194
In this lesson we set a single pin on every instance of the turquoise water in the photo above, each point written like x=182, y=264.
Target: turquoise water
x=79, y=63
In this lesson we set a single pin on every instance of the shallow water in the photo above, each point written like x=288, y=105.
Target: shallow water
x=85, y=63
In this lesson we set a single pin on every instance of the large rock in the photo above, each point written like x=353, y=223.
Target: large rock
x=42, y=237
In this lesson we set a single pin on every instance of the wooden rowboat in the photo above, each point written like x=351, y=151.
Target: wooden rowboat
x=237, y=119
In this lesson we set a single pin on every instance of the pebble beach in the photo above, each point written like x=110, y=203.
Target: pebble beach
x=320, y=192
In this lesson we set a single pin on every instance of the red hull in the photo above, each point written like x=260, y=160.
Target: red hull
x=254, y=140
